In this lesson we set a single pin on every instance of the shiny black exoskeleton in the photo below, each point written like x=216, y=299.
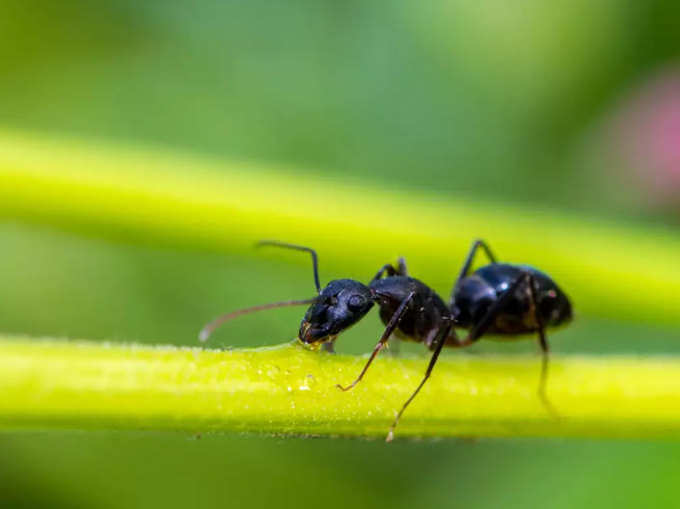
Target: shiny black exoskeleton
x=497, y=298
x=507, y=301
x=543, y=305
x=415, y=310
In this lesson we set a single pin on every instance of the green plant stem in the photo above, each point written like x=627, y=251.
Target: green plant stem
x=47, y=384
x=609, y=270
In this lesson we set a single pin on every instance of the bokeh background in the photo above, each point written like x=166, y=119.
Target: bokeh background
x=568, y=106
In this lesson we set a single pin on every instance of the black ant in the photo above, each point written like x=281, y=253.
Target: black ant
x=498, y=298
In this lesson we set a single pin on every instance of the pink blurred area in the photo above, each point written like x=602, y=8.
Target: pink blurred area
x=647, y=138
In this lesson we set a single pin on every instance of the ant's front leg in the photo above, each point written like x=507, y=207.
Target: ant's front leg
x=401, y=270
x=329, y=346
x=393, y=323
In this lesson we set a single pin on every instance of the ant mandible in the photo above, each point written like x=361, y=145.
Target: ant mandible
x=497, y=298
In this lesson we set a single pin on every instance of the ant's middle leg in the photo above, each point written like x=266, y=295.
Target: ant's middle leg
x=394, y=346
x=393, y=323
x=439, y=341
x=401, y=270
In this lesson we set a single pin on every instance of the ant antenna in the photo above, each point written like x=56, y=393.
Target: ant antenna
x=315, y=261
x=210, y=328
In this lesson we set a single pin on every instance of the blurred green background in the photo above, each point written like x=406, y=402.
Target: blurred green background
x=536, y=104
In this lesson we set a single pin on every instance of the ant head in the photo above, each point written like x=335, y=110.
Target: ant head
x=339, y=306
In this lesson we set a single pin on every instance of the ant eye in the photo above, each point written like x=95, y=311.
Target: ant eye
x=356, y=302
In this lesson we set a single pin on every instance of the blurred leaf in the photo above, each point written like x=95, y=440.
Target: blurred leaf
x=610, y=270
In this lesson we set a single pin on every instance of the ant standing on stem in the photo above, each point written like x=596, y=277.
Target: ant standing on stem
x=498, y=298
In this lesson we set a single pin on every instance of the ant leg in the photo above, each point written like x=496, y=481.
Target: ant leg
x=394, y=321
x=545, y=350
x=315, y=260
x=395, y=344
x=329, y=346
x=433, y=360
x=394, y=347
x=482, y=326
x=477, y=244
x=391, y=271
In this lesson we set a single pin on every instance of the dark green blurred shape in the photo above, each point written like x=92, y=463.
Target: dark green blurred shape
x=464, y=99
x=451, y=96
x=137, y=470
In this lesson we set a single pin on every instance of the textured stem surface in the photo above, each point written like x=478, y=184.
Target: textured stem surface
x=47, y=384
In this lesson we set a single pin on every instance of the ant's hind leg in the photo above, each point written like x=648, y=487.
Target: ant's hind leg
x=469, y=259
x=483, y=325
x=545, y=349
x=480, y=328
x=545, y=357
x=543, y=343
